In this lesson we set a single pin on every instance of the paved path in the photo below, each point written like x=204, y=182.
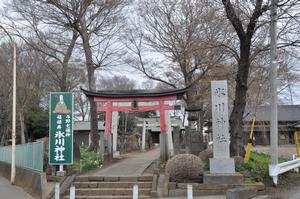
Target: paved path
x=134, y=164
x=284, y=151
x=8, y=191
x=199, y=197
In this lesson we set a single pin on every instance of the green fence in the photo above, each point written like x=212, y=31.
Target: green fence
x=29, y=155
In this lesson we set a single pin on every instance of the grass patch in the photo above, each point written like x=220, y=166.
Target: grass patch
x=89, y=160
x=162, y=167
x=257, y=168
x=249, y=181
x=206, y=166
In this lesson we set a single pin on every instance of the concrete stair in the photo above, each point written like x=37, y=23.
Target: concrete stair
x=111, y=187
x=80, y=185
x=108, y=197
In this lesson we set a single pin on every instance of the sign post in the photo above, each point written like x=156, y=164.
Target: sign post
x=61, y=129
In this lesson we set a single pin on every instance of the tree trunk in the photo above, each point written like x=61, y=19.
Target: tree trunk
x=65, y=64
x=201, y=123
x=94, y=126
x=4, y=128
x=92, y=86
x=22, y=126
x=236, y=117
x=76, y=152
x=3, y=137
x=191, y=101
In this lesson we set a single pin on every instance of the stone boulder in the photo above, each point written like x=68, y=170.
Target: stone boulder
x=183, y=166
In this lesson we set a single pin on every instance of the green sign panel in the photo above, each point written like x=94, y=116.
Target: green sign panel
x=61, y=128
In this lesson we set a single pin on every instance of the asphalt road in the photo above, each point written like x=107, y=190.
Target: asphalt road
x=8, y=191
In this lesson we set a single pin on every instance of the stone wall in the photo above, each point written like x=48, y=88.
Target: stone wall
x=200, y=189
x=31, y=181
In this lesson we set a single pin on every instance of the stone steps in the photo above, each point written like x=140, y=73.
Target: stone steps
x=108, y=197
x=111, y=184
x=111, y=187
x=113, y=178
x=110, y=191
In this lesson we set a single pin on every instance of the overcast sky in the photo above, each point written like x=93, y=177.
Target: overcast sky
x=140, y=79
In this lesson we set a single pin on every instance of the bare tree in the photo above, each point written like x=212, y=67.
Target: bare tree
x=34, y=25
x=5, y=92
x=97, y=23
x=31, y=86
x=250, y=24
x=81, y=106
x=30, y=83
x=177, y=34
x=116, y=83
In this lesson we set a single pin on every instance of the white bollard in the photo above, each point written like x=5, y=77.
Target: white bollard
x=135, y=192
x=56, y=190
x=189, y=191
x=72, y=192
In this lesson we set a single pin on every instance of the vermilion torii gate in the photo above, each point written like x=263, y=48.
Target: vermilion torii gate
x=137, y=101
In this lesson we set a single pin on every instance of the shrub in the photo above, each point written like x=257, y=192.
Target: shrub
x=257, y=167
x=183, y=166
x=89, y=159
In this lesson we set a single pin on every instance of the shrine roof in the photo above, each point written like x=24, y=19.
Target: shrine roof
x=134, y=93
x=288, y=113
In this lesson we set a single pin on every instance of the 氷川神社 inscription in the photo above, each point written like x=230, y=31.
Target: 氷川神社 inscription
x=220, y=118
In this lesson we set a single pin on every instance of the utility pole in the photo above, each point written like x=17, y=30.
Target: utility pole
x=13, y=149
x=273, y=79
x=13, y=133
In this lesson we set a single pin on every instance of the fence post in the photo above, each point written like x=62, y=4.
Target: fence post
x=135, y=192
x=56, y=190
x=189, y=191
x=72, y=192
x=294, y=158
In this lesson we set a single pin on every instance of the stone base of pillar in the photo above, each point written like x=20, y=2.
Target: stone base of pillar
x=61, y=173
x=116, y=154
x=221, y=165
x=223, y=178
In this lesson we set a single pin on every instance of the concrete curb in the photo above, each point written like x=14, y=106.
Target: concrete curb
x=241, y=193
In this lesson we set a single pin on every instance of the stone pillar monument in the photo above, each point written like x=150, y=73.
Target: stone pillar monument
x=169, y=135
x=114, y=131
x=144, y=135
x=102, y=147
x=163, y=147
x=222, y=169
